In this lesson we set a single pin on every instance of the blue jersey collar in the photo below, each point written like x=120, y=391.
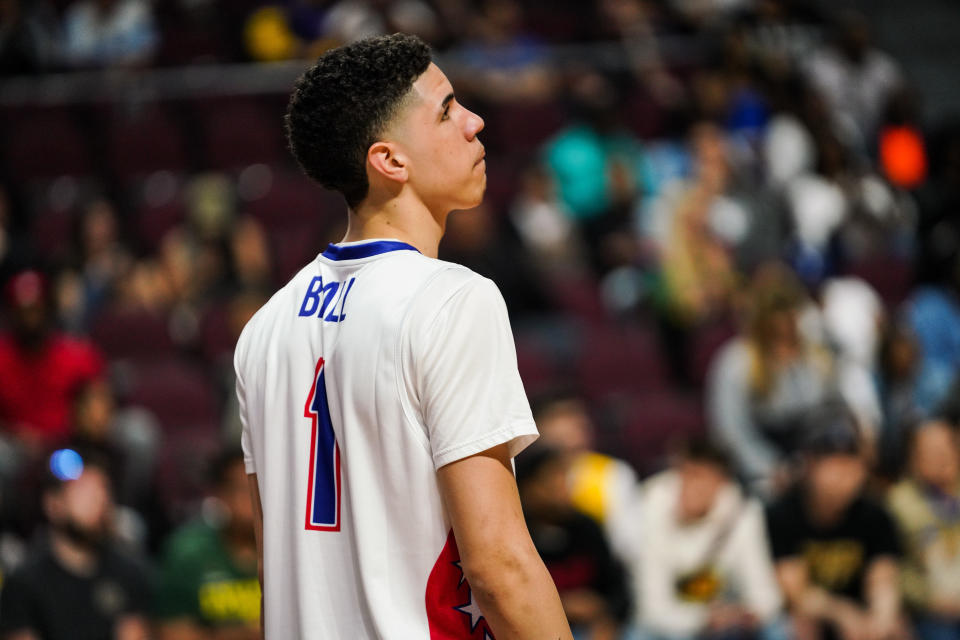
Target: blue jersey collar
x=365, y=249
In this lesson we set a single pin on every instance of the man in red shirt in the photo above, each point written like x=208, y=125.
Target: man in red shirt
x=40, y=368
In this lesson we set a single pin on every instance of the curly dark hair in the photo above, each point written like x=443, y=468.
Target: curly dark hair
x=342, y=103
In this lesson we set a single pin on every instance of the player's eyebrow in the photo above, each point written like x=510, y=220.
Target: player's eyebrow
x=446, y=101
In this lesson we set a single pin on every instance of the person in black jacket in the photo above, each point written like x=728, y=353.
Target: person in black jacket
x=592, y=584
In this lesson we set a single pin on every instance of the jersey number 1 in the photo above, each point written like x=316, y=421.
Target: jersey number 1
x=323, y=492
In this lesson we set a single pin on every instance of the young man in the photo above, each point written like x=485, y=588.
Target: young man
x=379, y=393
x=75, y=585
x=207, y=587
x=700, y=558
x=836, y=551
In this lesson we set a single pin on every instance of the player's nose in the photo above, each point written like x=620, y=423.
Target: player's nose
x=474, y=125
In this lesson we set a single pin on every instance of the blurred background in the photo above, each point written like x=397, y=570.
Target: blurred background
x=727, y=234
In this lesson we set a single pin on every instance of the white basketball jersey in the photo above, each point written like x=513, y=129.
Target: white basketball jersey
x=372, y=368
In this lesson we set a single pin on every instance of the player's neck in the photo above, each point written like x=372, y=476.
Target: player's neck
x=404, y=218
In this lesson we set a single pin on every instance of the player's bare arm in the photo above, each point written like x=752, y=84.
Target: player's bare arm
x=507, y=576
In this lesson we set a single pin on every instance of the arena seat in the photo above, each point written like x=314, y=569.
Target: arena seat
x=618, y=360
x=579, y=296
x=182, y=467
x=292, y=200
x=52, y=232
x=154, y=222
x=524, y=126
x=177, y=391
x=131, y=333
x=704, y=344
x=293, y=248
x=650, y=425
x=216, y=339
x=536, y=369
x=890, y=276
x=145, y=142
x=237, y=133
x=45, y=144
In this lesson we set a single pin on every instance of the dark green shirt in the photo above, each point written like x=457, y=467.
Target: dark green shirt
x=199, y=580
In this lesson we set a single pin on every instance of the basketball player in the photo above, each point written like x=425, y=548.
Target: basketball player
x=379, y=393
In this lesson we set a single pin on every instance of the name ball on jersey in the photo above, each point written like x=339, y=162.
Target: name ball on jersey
x=326, y=301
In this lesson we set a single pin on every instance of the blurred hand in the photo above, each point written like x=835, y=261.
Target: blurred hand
x=853, y=623
x=805, y=628
x=880, y=628
x=724, y=617
x=946, y=607
x=583, y=606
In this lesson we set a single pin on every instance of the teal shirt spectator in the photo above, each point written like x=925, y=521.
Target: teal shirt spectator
x=580, y=161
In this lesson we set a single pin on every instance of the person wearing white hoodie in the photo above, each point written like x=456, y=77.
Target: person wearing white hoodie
x=700, y=560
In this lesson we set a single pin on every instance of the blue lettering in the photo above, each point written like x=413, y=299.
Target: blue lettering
x=313, y=306
x=330, y=290
x=343, y=300
x=312, y=300
x=332, y=317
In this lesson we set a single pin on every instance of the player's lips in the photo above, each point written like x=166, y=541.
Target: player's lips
x=483, y=154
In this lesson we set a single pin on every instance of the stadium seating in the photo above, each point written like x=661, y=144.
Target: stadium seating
x=131, y=334
x=145, y=142
x=45, y=143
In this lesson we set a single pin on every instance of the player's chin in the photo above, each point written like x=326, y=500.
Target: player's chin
x=471, y=195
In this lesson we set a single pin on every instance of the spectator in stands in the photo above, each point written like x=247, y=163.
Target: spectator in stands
x=849, y=317
x=836, y=550
x=634, y=23
x=543, y=226
x=933, y=313
x=350, y=20
x=911, y=390
x=102, y=257
x=762, y=383
x=781, y=34
x=40, y=368
x=699, y=555
x=854, y=78
x=697, y=267
x=591, y=583
x=600, y=171
x=76, y=584
x=599, y=485
x=250, y=254
x=109, y=33
x=129, y=437
x=208, y=585
x=501, y=62
x=927, y=507
x=28, y=37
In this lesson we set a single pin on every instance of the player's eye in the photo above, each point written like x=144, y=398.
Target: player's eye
x=446, y=113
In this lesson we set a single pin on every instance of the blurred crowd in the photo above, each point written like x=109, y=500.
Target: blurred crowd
x=727, y=239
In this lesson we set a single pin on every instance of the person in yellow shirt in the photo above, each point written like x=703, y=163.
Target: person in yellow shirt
x=601, y=486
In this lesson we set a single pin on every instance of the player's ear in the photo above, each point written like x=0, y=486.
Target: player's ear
x=388, y=161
